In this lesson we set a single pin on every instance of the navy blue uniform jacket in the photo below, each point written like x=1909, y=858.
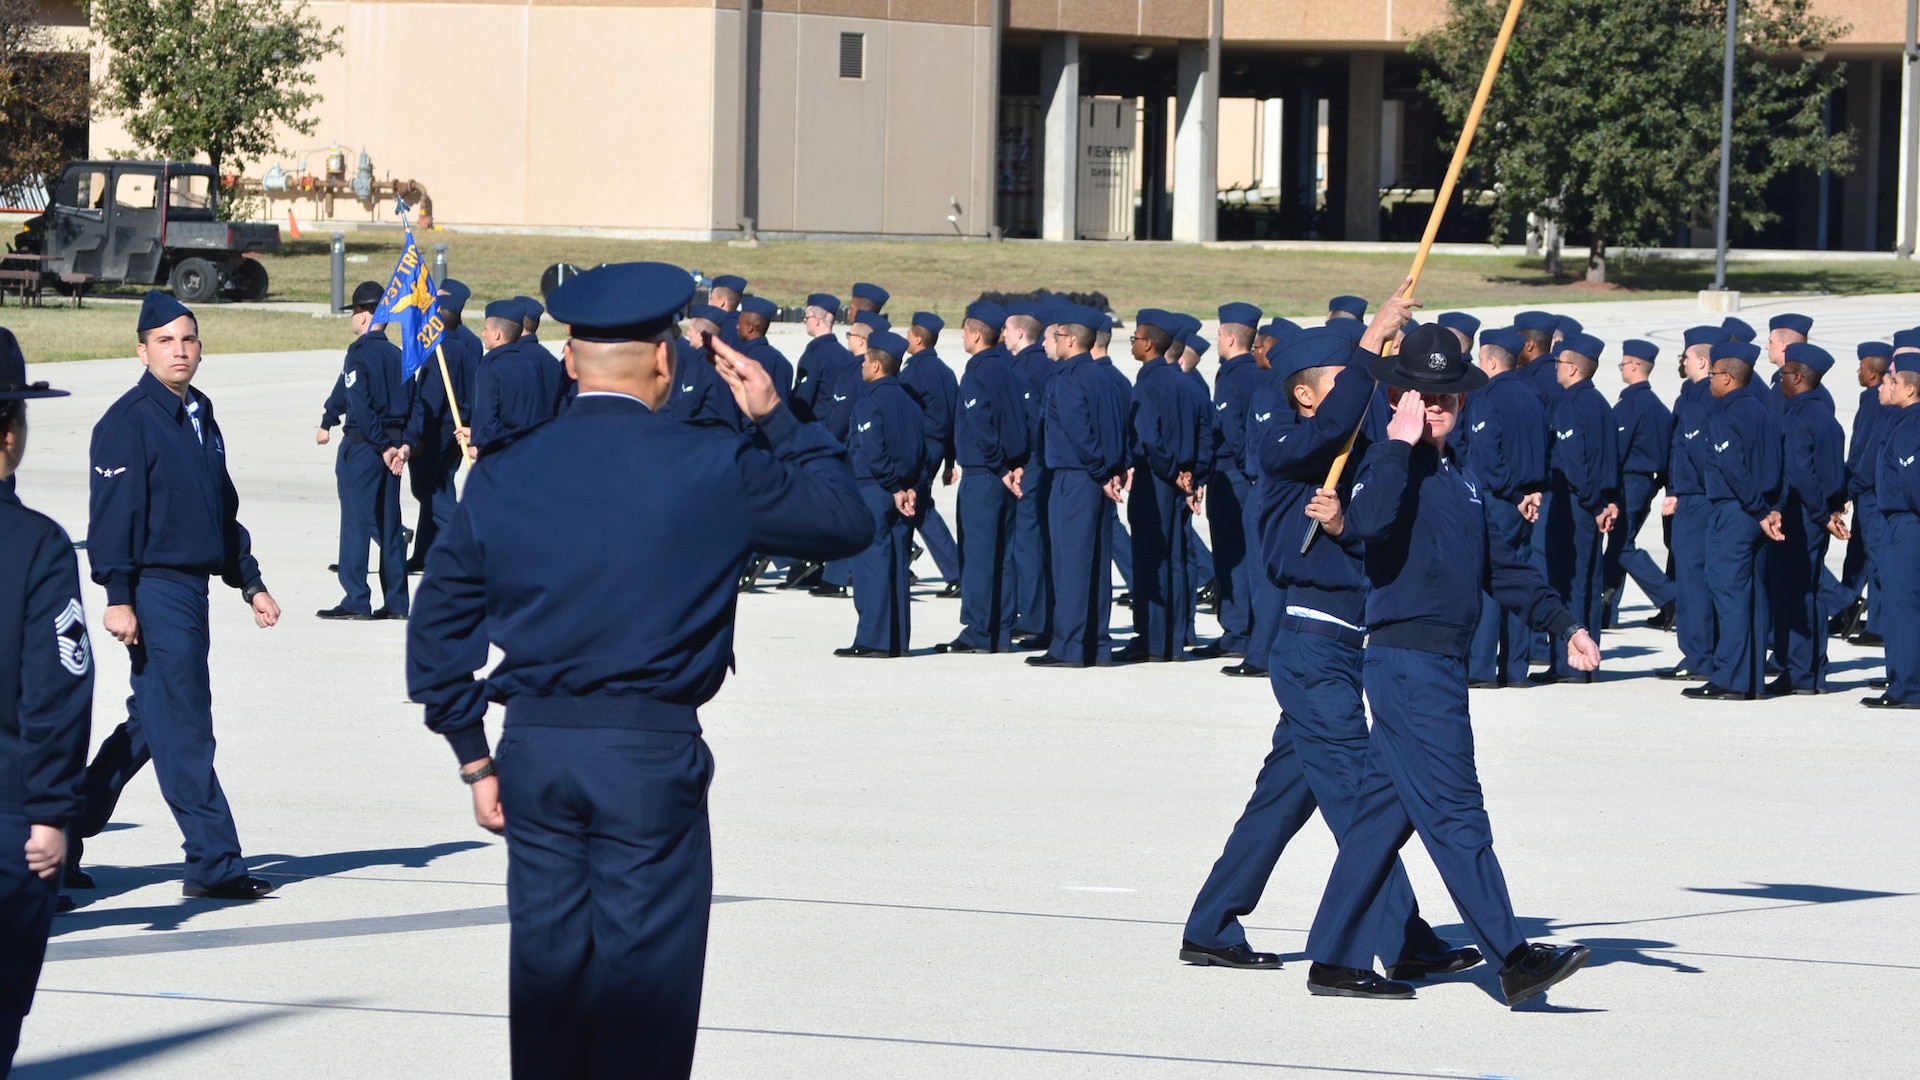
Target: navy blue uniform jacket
x=932, y=384
x=610, y=590
x=1293, y=462
x=1813, y=457
x=1643, y=428
x=1687, y=458
x=778, y=369
x=828, y=381
x=46, y=669
x=889, y=437
x=160, y=498
x=1232, y=392
x=1086, y=420
x=1583, y=460
x=379, y=397
x=1501, y=437
x=512, y=393
x=990, y=424
x=1863, y=449
x=1034, y=369
x=431, y=423
x=1743, y=452
x=1169, y=423
x=700, y=395
x=1897, y=472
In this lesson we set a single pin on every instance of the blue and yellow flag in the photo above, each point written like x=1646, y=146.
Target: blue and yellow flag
x=412, y=302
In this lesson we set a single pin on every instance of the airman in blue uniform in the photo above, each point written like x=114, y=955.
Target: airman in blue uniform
x=1812, y=511
x=1737, y=330
x=1231, y=489
x=46, y=708
x=1644, y=429
x=599, y=780
x=827, y=378
x=933, y=386
x=375, y=450
x=163, y=520
x=725, y=293
x=890, y=464
x=1784, y=330
x=1897, y=491
x=436, y=453
x=1268, y=411
x=1686, y=505
x=1852, y=614
x=990, y=444
x=1021, y=336
x=700, y=395
x=1424, y=573
x=756, y=314
x=513, y=392
x=1583, y=475
x=866, y=296
x=1168, y=424
x=1501, y=439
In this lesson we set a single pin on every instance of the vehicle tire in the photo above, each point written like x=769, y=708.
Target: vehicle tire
x=248, y=281
x=195, y=281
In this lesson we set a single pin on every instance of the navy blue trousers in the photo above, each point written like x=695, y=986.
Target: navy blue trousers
x=987, y=599
x=26, y=916
x=430, y=476
x=1794, y=599
x=1693, y=619
x=609, y=886
x=1122, y=546
x=1032, y=565
x=1502, y=642
x=1860, y=569
x=937, y=538
x=1573, y=569
x=1163, y=585
x=882, y=593
x=170, y=722
x=1199, y=558
x=369, y=507
x=1228, y=494
x=1900, y=581
x=1420, y=777
x=1318, y=759
x=1543, y=649
x=1736, y=577
x=1268, y=601
x=1624, y=558
x=1080, y=526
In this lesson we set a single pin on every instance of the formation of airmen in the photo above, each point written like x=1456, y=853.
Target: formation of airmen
x=1399, y=512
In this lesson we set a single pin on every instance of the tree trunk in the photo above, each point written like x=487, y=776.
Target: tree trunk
x=1597, y=260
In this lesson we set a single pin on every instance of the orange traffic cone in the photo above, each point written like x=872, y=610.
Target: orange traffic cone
x=292, y=225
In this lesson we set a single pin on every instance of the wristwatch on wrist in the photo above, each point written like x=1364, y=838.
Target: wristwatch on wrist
x=252, y=591
x=479, y=774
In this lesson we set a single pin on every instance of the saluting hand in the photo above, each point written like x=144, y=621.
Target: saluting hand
x=752, y=387
x=1582, y=653
x=265, y=611
x=122, y=624
x=1409, y=421
x=1325, y=508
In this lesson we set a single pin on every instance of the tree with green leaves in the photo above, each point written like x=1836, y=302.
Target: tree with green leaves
x=213, y=77
x=44, y=101
x=1606, y=113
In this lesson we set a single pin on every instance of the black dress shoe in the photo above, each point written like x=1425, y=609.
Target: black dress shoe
x=1545, y=678
x=830, y=591
x=343, y=613
x=1440, y=962
x=1866, y=637
x=1679, y=674
x=244, y=887
x=1662, y=619
x=914, y=551
x=1233, y=956
x=63, y=904
x=406, y=536
x=956, y=647
x=1125, y=599
x=1783, y=687
x=1483, y=684
x=1034, y=642
x=1538, y=967
x=1325, y=980
x=75, y=878
x=388, y=615
x=952, y=589
x=1713, y=692
x=1205, y=595
x=1212, y=650
x=863, y=651
x=1846, y=621
x=333, y=568
x=1244, y=671
x=750, y=574
x=1885, y=702
x=416, y=566
x=801, y=575
x=1047, y=660
x=1131, y=655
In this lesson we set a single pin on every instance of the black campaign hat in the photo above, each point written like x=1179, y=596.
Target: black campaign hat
x=1430, y=360
x=13, y=373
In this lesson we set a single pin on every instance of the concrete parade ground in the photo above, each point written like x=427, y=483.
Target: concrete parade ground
x=960, y=866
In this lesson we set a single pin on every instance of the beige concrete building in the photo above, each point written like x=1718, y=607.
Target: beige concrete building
x=1178, y=119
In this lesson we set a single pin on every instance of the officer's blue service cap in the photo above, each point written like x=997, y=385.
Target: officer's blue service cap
x=1461, y=321
x=1703, y=335
x=1505, y=337
x=987, y=312
x=13, y=372
x=887, y=342
x=1078, y=315
x=1431, y=361
x=1243, y=314
x=1813, y=356
x=1799, y=324
x=1307, y=349
x=457, y=295
x=1158, y=318
x=873, y=321
x=530, y=308
x=1544, y=322
x=1744, y=351
x=759, y=305
x=1738, y=328
x=730, y=281
x=1907, y=339
x=709, y=312
x=622, y=301
x=1874, y=348
x=928, y=321
x=1567, y=325
x=1640, y=350
x=508, y=309
x=1281, y=329
x=1583, y=343
x=867, y=290
x=1198, y=344
x=159, y=309
x=825, y=301
x=1355, y=306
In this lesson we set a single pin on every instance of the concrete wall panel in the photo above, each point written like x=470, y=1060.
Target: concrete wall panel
x=1174, y=18
x=840, y=128
x=779, y=127
x=930, y=154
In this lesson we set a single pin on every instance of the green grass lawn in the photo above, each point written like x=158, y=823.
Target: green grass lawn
x=106, y=330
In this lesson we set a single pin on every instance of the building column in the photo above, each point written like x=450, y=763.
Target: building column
x=1366, y=91
x=1060, y=137
x=1196, y=180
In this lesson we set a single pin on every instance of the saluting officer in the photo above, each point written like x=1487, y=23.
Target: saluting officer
x=1813, y=509
x=1860, y=571
x=46, y=708
x=1687, y=507
x=990, y=443
x=601, y=772
x=889, y=444
x=379, y=400
x=1644, y=427
x=1429, y=548
x=933, y=386
x=163, y=519
x=1501, y=438
x=1230, y=490
x=1584, y=477
x=434, y=461
x=1897, y=489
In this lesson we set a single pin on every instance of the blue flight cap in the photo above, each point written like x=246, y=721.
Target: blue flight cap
x=530, y=309
x=1352, y=329
x=873, y=321
x=1461, y=321
x=887, y=342
x=730, y=281
x=1318, y=347
x=1799, y=324
x=1744, y=351
x=1355, y=306
x=1567, y=325
x=1703, y=335
x=759, y=305
x=1106, y=324
x=1244, y=314
x=1505, y=337
x=716, y=316
x=866, y=290
x=457, y=295
x=1544, y=322
x=13, y=372
x=1077, y=315
x=1280, y=329
x=1813, y=356
x=928, y=321
x=1738, y=330
x=1198, y=344
x=1188, y=324
x=1585, y=344
x=1874, y=348
x=1640, y=350
x=988, y=312
x=159, y=309
x=508, y=309
x=827, y=301
x=1907, y=339
x=1157, y=318
x=622, y=301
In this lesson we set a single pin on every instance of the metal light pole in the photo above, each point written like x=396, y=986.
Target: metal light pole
x=1910, y=155
x=1726, y=153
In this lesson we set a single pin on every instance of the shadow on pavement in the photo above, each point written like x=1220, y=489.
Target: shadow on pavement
x=93, y=1062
